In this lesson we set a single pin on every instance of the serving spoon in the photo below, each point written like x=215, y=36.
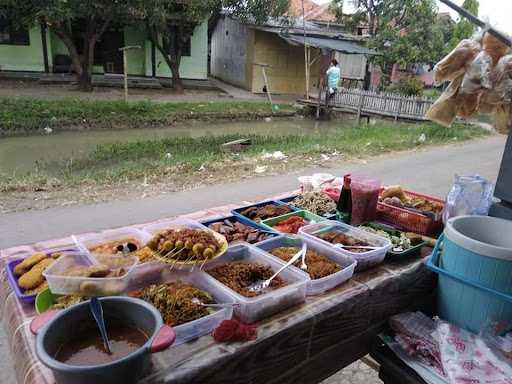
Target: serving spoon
x=97, y=313
x=355, y=247
x=261, y=285
x=195, y=300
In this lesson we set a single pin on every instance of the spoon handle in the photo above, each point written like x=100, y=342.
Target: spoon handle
x=218, y=305
x=290, y=262
x=97, y=312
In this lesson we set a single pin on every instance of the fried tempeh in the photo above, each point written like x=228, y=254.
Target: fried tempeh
x=28, y=263
x=34, y=277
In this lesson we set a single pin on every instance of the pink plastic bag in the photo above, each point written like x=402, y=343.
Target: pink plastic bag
x=365, y=195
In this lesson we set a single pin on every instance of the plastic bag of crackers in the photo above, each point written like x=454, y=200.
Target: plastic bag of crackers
x=480, y=75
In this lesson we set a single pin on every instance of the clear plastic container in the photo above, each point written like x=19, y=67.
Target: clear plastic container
x=238, y=212
x=89, y=241
x=242, y=220
x=310, y=218
x=61, y=284
x=256, y=308
x=364, y=260
x=317, y=286
x=200, y=327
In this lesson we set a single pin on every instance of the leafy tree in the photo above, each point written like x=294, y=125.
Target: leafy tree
x=63, y=17
x=464, y=29
x=373, y=9
x=336, y=8
x=170, y=23
x=407, y=33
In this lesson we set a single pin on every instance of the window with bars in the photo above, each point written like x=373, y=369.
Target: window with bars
x=11, y=35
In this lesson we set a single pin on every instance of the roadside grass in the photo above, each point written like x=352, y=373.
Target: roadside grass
x=23, y=114
x=179, y=158
x=432, y=92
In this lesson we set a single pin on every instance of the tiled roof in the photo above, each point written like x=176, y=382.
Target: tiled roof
x=312, y=10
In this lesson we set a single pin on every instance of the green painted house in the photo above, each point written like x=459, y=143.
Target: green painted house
x=38, y=50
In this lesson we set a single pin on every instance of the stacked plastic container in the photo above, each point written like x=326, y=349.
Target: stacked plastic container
x=317, y=286
x=364, y=260
x=204, y=325
x=252, y=309
x=240, y=219
x=61, y=284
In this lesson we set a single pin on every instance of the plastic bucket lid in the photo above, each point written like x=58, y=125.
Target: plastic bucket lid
x=484, y=235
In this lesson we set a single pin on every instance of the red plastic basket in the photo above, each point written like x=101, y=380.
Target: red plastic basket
x=410, y=221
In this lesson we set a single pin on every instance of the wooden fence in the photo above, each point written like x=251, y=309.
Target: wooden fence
x=369, y=103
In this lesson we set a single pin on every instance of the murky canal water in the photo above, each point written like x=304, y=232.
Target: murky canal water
x=21, y=154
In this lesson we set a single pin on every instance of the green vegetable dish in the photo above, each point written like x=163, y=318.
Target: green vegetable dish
x=401, y=241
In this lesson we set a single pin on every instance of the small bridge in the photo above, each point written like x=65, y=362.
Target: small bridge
x=369, y=103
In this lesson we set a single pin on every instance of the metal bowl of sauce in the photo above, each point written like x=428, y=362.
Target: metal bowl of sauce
x=69, y=343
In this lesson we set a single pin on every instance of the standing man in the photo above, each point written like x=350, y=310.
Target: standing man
x=333, y=77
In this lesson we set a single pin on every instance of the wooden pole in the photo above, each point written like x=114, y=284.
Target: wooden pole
x=360, y=109
x=125, y=70
x=267, y=85
x=306, y=60
x=125, y=67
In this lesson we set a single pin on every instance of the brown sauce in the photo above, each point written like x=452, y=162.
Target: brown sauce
x=88, y=349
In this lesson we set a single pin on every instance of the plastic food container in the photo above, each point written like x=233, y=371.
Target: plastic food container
x=87, y=286
x=238, y=212
x=364, y=260
x=317, y=286
x=240, y=219
x=288, y=201
x=90, y=241
x=256, y=308
x=411, y=221
x=393, y=255
x=13, y=279
x=205, y=325
x=311, y=218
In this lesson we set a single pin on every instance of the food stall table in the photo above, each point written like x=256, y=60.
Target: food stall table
x=304, y=344
x=392, y=369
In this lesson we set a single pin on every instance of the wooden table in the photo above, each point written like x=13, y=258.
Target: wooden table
x=309, y=343
x=304, y=344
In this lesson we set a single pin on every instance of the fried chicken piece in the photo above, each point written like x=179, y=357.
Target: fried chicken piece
x=494, y=47
x=444, y=110
x=503, y=118
x=453, y=65
x=28, y=263
x=468, y=104
x=34, y=277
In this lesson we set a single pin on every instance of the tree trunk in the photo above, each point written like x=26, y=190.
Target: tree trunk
x=66, y=38
x=177, y=83
x=371, y=18
x=85, y=80
x=173, y=63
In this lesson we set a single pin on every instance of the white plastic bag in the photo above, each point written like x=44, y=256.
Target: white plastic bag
x=470, y=195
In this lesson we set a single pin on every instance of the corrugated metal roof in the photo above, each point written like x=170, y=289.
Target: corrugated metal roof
x=327, y=44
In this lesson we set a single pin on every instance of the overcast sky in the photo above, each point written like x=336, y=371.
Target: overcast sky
x=497, y=12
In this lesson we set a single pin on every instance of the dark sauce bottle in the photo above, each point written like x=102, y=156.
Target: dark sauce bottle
x=344, y=206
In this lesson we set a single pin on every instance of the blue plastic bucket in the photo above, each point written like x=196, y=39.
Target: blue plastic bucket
x=475, y=271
